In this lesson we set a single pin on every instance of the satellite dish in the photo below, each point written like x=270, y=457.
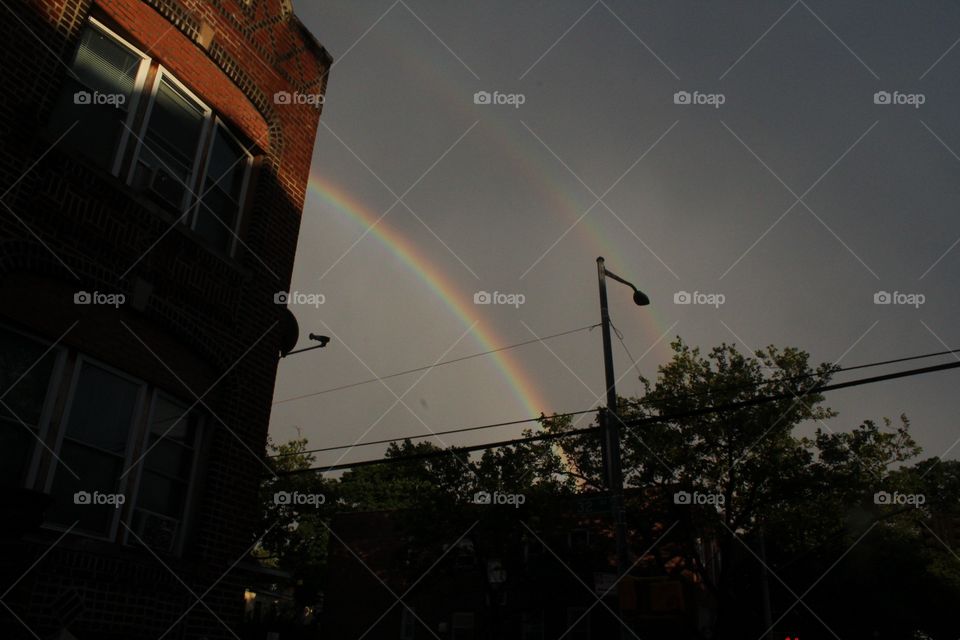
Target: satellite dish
x=289, y=331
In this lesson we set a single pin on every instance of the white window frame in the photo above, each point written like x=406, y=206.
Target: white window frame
x=49, y=401
x=124, y=485
x=218, y=123
x=202, y=141
x=138, y=84
x=143, y=444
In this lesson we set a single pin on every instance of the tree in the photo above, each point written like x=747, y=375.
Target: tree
x=723, y=425
x=296, y=527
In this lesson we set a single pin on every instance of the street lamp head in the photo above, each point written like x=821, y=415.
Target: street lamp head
x=639, y=297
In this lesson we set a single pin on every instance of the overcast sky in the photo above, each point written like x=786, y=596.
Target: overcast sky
x=780, y=184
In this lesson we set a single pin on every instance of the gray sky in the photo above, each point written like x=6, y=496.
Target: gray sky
x=796, y=199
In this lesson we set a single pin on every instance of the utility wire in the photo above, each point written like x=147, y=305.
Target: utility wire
x=637, y=403
x=623, y=344
x=433, y=366
x=632, y=424
x=752, y=385
x=435, y=433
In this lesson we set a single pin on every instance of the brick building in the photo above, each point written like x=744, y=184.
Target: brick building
x=154, y=157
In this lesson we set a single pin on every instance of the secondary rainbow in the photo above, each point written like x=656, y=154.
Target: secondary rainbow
x=524, y=387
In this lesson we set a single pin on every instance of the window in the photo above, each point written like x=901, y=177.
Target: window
x=93, y=451
x=183, y=157
x=169, y=150
x=112, y=426
x=98, y=100
x=165, y=473
x=26, y=370
x=222, y=190
x=462, y=625
x=190, y=162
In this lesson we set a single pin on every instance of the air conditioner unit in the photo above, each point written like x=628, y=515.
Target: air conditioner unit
x=158, y=532
x=161, y=184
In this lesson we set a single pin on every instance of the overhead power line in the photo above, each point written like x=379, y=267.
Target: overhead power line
x=816, y=389
x=433, y=366
x=636, y=403
x=434, y=433
x=806, y=376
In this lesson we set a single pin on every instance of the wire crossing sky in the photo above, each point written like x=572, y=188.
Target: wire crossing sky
x=776, y=173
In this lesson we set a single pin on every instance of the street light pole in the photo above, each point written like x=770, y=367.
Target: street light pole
x=611, y=431
x=611, y=422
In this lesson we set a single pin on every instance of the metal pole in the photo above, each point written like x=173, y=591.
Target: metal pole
x=612, y=433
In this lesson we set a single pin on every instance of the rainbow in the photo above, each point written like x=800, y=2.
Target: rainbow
x=524, y=387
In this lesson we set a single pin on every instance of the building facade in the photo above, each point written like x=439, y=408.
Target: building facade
x=154, y=158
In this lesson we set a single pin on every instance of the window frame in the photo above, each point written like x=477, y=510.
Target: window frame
x=136, y=423
x=29, y=479
x=218, y=123
x=202, y=142
x=143, y=444
x=138, y=85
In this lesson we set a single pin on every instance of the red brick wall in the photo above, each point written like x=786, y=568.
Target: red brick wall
x=204, y=313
